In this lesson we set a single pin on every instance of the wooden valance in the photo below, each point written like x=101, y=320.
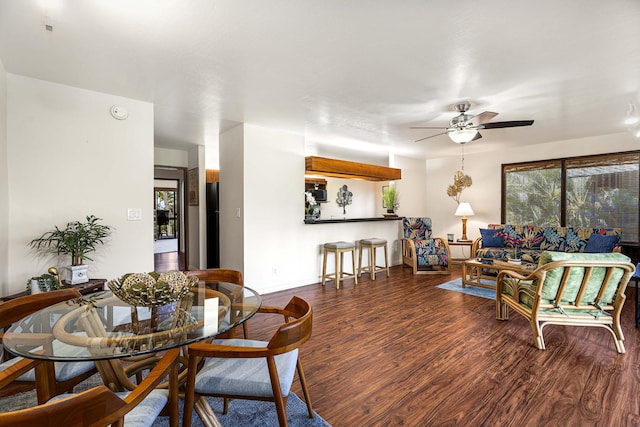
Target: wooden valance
x=344, y=169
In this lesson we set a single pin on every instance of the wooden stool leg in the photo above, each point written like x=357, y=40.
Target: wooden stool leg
x=339, y=267
x=324, y=266
x=372, y=262
x=359, y=260
x=386, y=260
x=353, y=265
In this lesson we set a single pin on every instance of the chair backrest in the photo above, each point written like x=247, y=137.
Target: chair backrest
x=98, y=406
x=15, y=309
x=582, y=281
x=418, y=228
x=297, y=329
x=218, y=274
x=88, y=408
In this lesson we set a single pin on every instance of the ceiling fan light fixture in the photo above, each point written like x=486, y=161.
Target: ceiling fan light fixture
x=462, y=136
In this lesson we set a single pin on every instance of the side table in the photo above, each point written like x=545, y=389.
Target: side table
x=93, y=285
x=462, y=244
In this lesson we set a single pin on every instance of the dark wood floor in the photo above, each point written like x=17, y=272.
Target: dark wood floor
x=401, y=352
x=164, y=262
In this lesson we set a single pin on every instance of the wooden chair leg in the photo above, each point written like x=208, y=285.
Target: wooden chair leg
x=277, y=392
x=305, y=390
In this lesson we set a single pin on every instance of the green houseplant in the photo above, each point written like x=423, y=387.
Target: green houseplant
x=78, y=239
x=43, y=283
x=391, y=198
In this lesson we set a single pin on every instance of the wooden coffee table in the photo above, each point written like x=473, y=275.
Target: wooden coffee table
x=475, y=270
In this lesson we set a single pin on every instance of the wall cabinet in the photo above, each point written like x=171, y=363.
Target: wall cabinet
x=317, y=187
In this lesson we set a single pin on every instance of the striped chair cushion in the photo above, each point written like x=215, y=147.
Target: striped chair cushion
x=245, y=377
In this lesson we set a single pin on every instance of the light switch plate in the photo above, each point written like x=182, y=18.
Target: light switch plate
x=134, y=214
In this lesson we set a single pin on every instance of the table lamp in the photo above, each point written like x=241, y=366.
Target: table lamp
x=464, y=210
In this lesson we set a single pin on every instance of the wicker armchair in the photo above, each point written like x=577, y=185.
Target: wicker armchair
x=575, y=289
x=423, y=253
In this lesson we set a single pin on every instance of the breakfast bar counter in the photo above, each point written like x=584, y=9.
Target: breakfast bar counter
x=341, y=220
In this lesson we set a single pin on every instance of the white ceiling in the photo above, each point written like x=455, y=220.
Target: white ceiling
x=356, y=73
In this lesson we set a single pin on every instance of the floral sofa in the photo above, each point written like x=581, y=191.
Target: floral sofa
x=500, y=241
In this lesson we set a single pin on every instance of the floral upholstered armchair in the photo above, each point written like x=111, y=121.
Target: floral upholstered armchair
x=423, y=253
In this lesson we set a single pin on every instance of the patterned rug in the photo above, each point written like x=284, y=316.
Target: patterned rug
x=246, y=413
x=456, y=286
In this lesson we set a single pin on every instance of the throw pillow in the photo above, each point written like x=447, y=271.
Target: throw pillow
x=600, y=243
x=491, y=238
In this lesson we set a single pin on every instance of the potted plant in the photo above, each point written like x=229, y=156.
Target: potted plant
x=78, y=239
x=311, y=207
x=391, y=198
x=44, y=283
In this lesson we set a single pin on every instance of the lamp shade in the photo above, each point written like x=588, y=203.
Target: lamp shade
x=464, y=209
x=462, y=136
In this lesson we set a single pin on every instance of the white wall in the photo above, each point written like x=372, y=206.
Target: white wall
x=170, y=157
x=4, y=182
x=68, y=158
x=231, y=196
x=412, y=187
x=262, y=173
x=486, y=171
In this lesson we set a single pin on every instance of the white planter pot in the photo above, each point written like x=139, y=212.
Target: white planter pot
x=35, y=287
x=78, y=274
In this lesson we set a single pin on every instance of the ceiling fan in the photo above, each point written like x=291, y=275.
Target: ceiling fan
x=465, y=128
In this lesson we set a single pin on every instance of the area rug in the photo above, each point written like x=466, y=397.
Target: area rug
x=456, y=286
x=246, y=413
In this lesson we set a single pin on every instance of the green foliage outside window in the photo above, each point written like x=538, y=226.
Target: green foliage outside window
x=600, y=191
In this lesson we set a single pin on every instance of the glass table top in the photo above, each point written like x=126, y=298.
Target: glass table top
x=101, y=326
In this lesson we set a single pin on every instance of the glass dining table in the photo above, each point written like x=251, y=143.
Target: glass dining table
x=100, y=327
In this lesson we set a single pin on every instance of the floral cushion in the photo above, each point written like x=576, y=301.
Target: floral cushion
x=429, y=253
x=417, y=228
x=538, y=239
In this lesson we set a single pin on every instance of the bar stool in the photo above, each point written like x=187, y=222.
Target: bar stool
x=339, y=248
x=372, y=244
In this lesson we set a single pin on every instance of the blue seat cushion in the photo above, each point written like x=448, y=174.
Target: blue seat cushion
x=245, y=377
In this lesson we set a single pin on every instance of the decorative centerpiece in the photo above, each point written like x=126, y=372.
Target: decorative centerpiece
x=515, y=243
x=152, y=289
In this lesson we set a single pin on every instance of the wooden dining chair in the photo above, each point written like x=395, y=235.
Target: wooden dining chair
x=58, y=377
x=100, y=406
x=249, y=369
x=222, y=275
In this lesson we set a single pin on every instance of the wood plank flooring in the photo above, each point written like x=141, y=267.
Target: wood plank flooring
x=400, y=352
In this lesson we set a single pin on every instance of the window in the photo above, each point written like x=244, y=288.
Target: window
x=590, y=191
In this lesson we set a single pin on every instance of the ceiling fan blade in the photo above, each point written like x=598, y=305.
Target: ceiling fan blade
x=481, y=118
x=511, y=124
x=430, y=136
x=428, y=127
x=478, y=136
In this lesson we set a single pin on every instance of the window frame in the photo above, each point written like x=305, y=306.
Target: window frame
x=605, y=158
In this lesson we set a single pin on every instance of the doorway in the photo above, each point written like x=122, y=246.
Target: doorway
x=169, y=231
